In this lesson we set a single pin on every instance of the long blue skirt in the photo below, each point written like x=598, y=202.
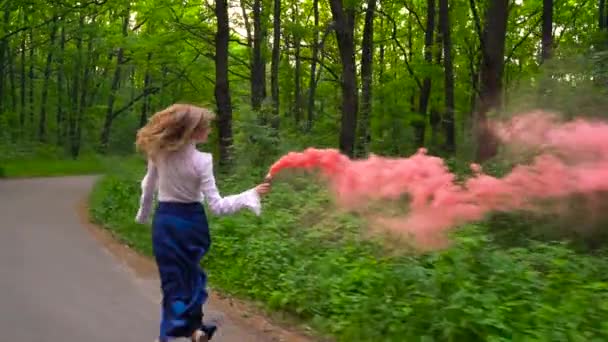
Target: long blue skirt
x=180, y=240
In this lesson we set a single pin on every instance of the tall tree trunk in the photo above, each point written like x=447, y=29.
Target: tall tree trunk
x=22, y=89
x=434, y=114
x=145, y=107
x=313, y=67
x=297, y=107
x=603, y=16
x=258, y=67
x=247, y=24
x=32, y=82
x=448, y=119
x=75, y=96
x=4, y=56
x=367, y=65
x=344, y=19
x=425, y=91
x=547, y=40
x=60, y=93
x=276, y=59
x=492, y=68
x=107, y=126
x=84, y=95
x=222, y=86
x=45, y=87
x=12, y=81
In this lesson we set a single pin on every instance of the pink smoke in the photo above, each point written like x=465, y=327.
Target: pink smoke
x=572, y=159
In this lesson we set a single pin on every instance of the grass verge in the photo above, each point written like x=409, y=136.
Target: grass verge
x=22, y=161
x=303, y=258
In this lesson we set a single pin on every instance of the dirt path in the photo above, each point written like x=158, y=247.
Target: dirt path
x=63, y=279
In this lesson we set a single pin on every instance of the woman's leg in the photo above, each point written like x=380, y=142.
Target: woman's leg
x=180, y=241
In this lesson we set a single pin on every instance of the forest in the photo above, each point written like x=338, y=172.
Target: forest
x=79, y=78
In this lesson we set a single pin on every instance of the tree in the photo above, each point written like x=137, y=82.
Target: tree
x=274, y=69
x=222, y=86
x=547, y=31
x=444, y=20
x=258, y=67
x=492, y=67
x=367, y=59
x=425, y=91
x=120, y=60
x=344, y=18
x=45, y=87
x=312, y=86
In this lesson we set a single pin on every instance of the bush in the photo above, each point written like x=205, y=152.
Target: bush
x=306, y=259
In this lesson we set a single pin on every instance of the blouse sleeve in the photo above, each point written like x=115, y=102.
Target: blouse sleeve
x=148, y=188
x=219, y=205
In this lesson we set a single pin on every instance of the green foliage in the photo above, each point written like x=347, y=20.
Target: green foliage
x=306, y=258
x=35, y=160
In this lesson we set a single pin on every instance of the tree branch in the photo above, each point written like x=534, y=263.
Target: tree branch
x=325, y=66
x=151, y=90
x=238, y=75
x=477, y=22
x=409, y=9
x=209, y=55
x=571, y=23
x=398, y=43
x=523, y=39
x=147, y=91
x=138, y=26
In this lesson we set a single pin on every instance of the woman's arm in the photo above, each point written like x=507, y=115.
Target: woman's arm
x=148, y=188
x=225, y=205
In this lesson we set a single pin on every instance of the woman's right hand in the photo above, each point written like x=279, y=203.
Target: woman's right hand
x=263, y=189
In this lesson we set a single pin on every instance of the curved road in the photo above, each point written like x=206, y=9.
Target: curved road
x=58, y=282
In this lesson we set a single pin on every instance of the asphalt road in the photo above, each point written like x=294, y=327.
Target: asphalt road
x=58, y=282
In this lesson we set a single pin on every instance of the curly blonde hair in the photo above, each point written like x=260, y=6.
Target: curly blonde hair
x=172, y=128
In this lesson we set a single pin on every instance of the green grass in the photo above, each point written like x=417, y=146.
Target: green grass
x=51, y=167
x=303, y=258
x=22, y=161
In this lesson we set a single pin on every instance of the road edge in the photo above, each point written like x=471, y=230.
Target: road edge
x=241, y=312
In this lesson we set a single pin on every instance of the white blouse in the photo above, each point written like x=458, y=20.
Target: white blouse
x=187, y=176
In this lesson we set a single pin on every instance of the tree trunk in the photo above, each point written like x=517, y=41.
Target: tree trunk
x=12, y=81
x=247, y=24
x=276, y=59
x=492, y=68
x=107, y=126
x=434, y=114
x=222, y=86
x=547, y=40
x=32, y=82
x=448, y=119
x=84, y=94
x=258, y=67
x=145, y=107
x=45, y=87
x=23, y=86
x=603, y=16
x=367, y=59
x=60, y=73
x=4, y=56
x=297, y=107
x=313, y=67
x=425, y=91
x=73, y=114
x=344, y=19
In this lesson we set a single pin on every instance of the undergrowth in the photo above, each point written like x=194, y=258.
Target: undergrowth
x=305, y=258
x=38, y=160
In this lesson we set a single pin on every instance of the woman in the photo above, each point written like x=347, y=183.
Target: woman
x=184, y=178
